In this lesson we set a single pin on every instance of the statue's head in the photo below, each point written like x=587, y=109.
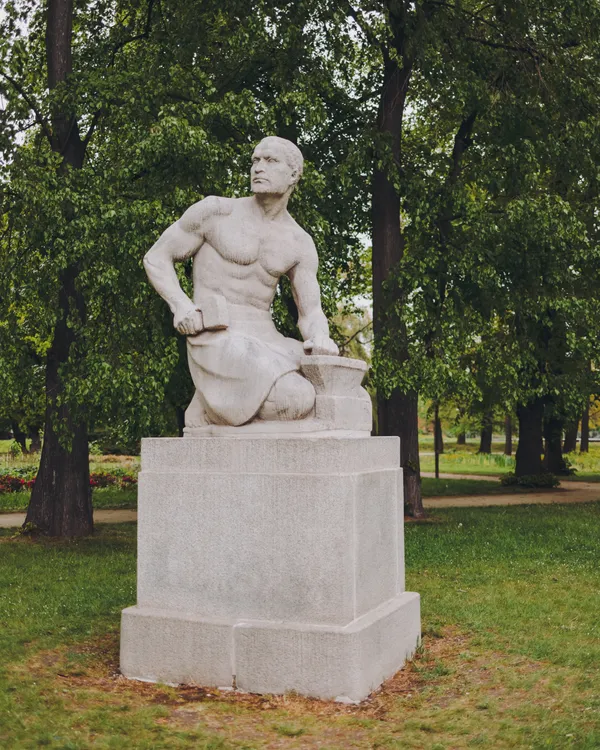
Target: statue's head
x=277, y=166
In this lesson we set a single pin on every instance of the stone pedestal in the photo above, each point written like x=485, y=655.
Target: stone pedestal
x=271, y=565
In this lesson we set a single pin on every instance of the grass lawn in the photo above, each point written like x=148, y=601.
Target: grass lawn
x=460, y=487
x=469, y=463
x=107, y=497
x=461, y=462
x=510, y=655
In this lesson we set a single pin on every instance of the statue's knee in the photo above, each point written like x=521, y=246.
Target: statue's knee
x=303, y=395
x=292, y=396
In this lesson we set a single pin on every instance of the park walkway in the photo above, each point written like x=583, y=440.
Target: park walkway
x=568, y=492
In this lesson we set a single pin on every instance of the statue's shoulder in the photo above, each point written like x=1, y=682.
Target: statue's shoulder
x=197, y=215
x=303, y=242
x=213, y=205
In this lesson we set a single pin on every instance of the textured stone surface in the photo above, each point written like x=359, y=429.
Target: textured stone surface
x=243, y=369
x=275, y=549
x=325, y=662
x=167, y=646
x=284, y=455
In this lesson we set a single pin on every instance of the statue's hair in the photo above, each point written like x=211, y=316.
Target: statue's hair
x=293, y=155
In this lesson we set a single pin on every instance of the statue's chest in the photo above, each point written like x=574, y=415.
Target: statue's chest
x=246, y=243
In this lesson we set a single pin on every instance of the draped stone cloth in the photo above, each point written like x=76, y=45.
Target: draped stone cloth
x=234, y=369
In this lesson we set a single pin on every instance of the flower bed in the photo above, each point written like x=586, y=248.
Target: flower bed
x=17, y=481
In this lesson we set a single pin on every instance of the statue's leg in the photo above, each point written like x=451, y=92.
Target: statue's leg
x=292, y=397
x=195, y=414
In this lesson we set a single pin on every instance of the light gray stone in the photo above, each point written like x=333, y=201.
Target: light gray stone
x=171, y=647
x=284, y=455
x=328, y=662
x=269, y=547
x=262, y=546
x=242, y=367
x=224, y=535
x=324, y=661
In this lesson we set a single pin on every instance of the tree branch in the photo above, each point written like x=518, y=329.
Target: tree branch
x=367, y=30
x=510, y=47
x=31, y=104
x=357, y=333
x=92, y=128
x=143, y=35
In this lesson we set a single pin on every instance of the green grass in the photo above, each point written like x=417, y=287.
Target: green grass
x=465, y=463
x=461, y=462
x=510, y=658
x=108, y=497
x=462, y=487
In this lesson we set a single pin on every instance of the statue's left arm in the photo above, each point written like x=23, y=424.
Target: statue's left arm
x=312, y=322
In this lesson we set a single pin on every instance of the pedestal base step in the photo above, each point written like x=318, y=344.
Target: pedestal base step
x=323, y=661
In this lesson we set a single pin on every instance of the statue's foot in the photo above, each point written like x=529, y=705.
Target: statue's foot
x=292, y=397
x=195, y=415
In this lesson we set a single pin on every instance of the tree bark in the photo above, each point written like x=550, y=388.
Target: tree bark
x=437, y=433
x=398, y=414
x=528, y=457
x=487, y=428
x=584, y=445
x=401, y=409
x=553, y=458
x=570, y=443
x=19, y=436
x=61, y=501
x=461, y=438
x=36, y=440
x=508, y=447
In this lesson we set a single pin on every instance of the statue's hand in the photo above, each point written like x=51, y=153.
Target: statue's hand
x=321, y=345
x=188, y=320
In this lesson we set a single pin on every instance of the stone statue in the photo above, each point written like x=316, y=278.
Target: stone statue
x=244, y=370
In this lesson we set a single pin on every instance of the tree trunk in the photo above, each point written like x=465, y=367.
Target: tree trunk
x=529, y=458
x=398, y=414
x=553, y=458
x=438, y=437
x=36, y=440
x=508, y=447
x=570, y=443
x=584, y=445
x=61, y=501
x=19, y=436
x=461, y=438
x=487, y=428
x=401, y=409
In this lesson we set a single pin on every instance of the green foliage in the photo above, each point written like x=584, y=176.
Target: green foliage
x=541, y=481
x=495, y=298
x=169, y=100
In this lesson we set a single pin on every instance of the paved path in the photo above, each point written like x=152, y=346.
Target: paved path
x=8, y=520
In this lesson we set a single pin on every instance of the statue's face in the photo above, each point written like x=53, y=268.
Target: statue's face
x=270, y=172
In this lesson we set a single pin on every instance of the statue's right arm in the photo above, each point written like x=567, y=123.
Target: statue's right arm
x=180, y=241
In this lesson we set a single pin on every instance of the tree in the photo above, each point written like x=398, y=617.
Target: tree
x=117, y=120
x=515, y=256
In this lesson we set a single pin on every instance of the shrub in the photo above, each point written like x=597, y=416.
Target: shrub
x=22, y=479
x=102, y=479
x=540, y=481
x=10, y=483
